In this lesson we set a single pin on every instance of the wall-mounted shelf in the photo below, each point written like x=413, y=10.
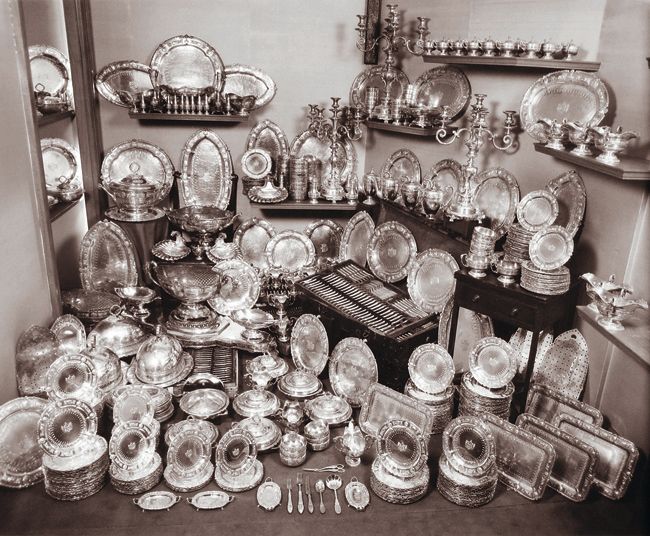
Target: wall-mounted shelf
x=189, y=117
x=525, y=63
x=58, y=210
x=53, y=118
x=322, y=205
x=404, y=129
x=628, y=169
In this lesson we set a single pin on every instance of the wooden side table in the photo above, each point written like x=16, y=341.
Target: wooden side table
x=515, y=306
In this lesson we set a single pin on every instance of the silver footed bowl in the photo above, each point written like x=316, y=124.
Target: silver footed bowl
x=187, y=282
x=200, y=219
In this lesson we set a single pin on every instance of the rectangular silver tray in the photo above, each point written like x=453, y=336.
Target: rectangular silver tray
x=546, y=403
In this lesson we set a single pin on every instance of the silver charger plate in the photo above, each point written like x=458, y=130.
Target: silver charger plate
x=270, y=137
x=236, y=452
x=402, y=163
x=431, y=280
x=188, y=455
x=65, y=427
x=289, y=251
x=132, y=446
x=569, y=190
x=352, y=370
x=309, y=344
x=374, y=77
x=391, y=251
x=443, y=86
x=119, y=82
x=60, y=159
x=240, y=287
x=326, y=236
x=184, y=61
x=447, y=173
x=537, y=210
x=72, y=375
x=355, y=238
x=431, y=368
x=206, y=171
x=401, y=448
x=245, y=80
x=468, y=445
x=497, y=197
x=493, y=362
x=71, y=334
x=50, y=68
x=571, y=95
x=252, y=237
x=256, y=163
x=550, y=248
x=107, y=258
x=308, y=143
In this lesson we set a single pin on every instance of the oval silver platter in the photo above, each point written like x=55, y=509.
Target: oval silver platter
x=210, y=500
x=569, y=190
x=120, y=82
x=270, y=137
x=157, y=500
x=245, y=80
x=308, y=143
x=497, y=197
x=374, y=77
x=355, y=238
x=252, y=237
x=443, y=86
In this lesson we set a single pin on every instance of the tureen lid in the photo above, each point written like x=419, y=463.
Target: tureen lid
x=330, y=408
x=273, y=365
x=134, y=181
x=256, y=402
x=316, y=428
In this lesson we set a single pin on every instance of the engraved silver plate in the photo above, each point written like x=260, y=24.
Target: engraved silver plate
x=448, y=174
x=431, y=280
x=133, y=403
x=326, y=236
x=186, y=62
x=564, y=367
x=376, y=77
x=572, y=95
x=391, y=251
x=51, y=69
x=469, y=446
x=431, y=368
x=550, y=248
x=352, y=370
x=403, y=166
x=132, y=446
x=72, y=375
x=402, y=448
x=252, y=237
x=497, y=197
x=537, y=210
x=236, y=452
x=546, y=404
x=443, y=86
x=309, y=344
x=245, y=80
x=256, y=163
x=60, y=159
x=188, y=455
x=357, y=495
x=120, y=82
x=569, y=190
x=493, y=362
x=65, y=426
x=269, y=495
x=107, y=258
x=270, y=137
x=240, y=287
x=157, y=500
x=356, y=235
x=20, y=454
x=70, y=333
x=289, y=251
x=206, y=171
x=308, y=143
x=210, y=500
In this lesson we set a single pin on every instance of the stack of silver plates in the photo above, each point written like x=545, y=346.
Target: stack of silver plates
x=298, y=176
x=161, y=399
x=482, y=243
x=139, y=482
x=441, y=404
x=517, y=241
x=77, y=477
x=547, y=282
x=398, y=490
x=465, y=490
x=475, y=399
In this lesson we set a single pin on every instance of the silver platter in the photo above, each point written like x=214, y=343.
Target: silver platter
x=431, y=280
x=355, y=238
x=51, y=69
x=60, y=159
x=308, y=143
x=326, y=236
x=252, y=237
x=569, y=190
x=402, y=448
x=270, y=137
x=550, y=248
x=121, y=82
x=448, y=174
x=210, y=500
x=391, y=251
x=352, y=370
x=65, y=426
x=269, y=495
x=537, y=210
x=497, y=197
x=309, y=344
x=443, y=86
x=376, y=77
x=289, y=251
x=403, y=166
x=493, y=362
x=245, y=80
x=469, y=446
x=240, y=287
x=431, y=368
x=72, y=375
x=157, y=500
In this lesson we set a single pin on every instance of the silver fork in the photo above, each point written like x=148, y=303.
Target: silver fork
x=301, y=505
x=289, y=502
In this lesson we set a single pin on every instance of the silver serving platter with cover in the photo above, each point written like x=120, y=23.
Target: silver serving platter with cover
x=575, y=461
x=524, y=460
x=252, y=237
x=71, y=334
x=309, y=344
x=448, y=174
x=51, y=69
x=572, y=95
x=431, y=368
x=270, y=137
x=569, y=190
x=245, y=80
x=551, y=248
x=204, y=403
x=289, y=251
x=206, y=171
x=267, y=434
x=256, y=403
x=65, y=427
x=157, y=500
x=497, y=197
x=72, y=375
x=210, y=500
x=402, y=448
x=493, y=362
x=402, y=163
x=352, y=370
x=332, y=409
x=307, y=143
x=60, y=159
x=120, y=82
x=443, y=86
x=299, y=384
x=375, y=77
x=431, y=280
x=20, y=454
x=107, y=258
x=391, y=251
x=326, y=236
x=355, y=238
x=240, y=287
x=469, y=446
x=186, y=62
x=547, y=404
x=538, y=209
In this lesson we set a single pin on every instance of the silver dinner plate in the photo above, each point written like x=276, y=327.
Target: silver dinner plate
x=236, y=451
x=107, y=258
x=497, y=197
x=448, y=174
x=206, y=171
x=307, y=143
x=377, y=76
x=431, y=368
x=289, y=251
x=120, y=82
x=133, y=403
x=245, y=80
x=51, y=69
x=569, y=190
x=309, y=344
x=326, y=236
x=537, y=210
x=391, y=251
x=403, y=166
x=65, y=427
x=60, y=159
x=402, y=448
x=71, y=334
x=443, y=86
x=72, y=375
x=431, y=280
x=132, y=446
x=572, y=95
x=188, y=455
x=252, y=237
x=468, y=445
x=355, y=238
x=270, y=137
x=188, y=62
x=493, y=362
x=551, y=248
x=352, y=370
x=240, y=287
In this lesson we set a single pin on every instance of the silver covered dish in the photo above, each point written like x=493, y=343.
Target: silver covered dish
x=120, y=333
x=329, y=408
x=300, y=384
x=256, y=403
x=160, y=360
x=267, y=434
x=204, y=403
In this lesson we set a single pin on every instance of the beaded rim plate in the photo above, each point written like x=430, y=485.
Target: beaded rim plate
x=431, y=368
x=254, y=254
x=551, y=248
x=189, y=454
x=269, y=495
x=497, y=197
x=537, y=210
x=326, y=236
x=309, y=344
x=51, y=58
x=132, y=445
x=546, y=404
x=72, y=375
x=65, y=426
x=157, y=500
x=243, y=80
x=446, y=173
x=433, y=83
x=402, y=448
x=21, y=464
x=352, y=370
x=289, y=251
x=60, y=159
x=236, y=451
x=469, y=446
x=402, y=163
x=269, y=136
x=365, y=79
x=256, y=163
x=493, y=362
x=179, y=428
x=431, y=280
x=307, y=143
x=119, y=82
x=391, y=251
x=210, y=500
x=354, y=247
x=240, y=287
x=71, y=334
x=569, y=190
x=134, y=403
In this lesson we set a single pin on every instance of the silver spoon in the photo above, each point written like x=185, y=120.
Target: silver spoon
x=334, y=482
x=320, y=488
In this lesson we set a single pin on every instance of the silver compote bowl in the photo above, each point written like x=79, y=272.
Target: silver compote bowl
x=136, y=298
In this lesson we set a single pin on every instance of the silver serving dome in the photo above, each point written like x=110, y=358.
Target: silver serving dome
x=160, y=359
x=120, y=333
x=109, y=369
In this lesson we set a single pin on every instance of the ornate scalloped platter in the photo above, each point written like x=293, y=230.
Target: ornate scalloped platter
x=269, y=495
x=107, y=258
x=468, y=446
x=326, y=236
x=374, y=77
x=60, y=159
x=403, y=166
x=236, y=451
x=391, y=251
x=240, y=287
x=431, y=368
x=357, y=495
x=352, y=370
x=571, y=95
x=71, y=334
x=184, y=61
x=402, y=448
x=309, y=344
x=252, y=237
x=65, y=426
x=245, y=80
x=270, y=137
x=447, y=173
x=120, y=82
x=51, y=69
x=537, y=210
x=569, y=190
x=431, y=281
x=547, y=404
x=443, y=86
x=497, y=197
x=206, y=171
x=308, y=143
x=289, y=251
x=550, y=248
x=493, y=362
x=20, y=454
x=355, y=238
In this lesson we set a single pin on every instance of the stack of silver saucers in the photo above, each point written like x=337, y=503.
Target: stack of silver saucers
x=441, y=404
x=482, y=243
x=393, y=489
x=467, y=473
x=517, y=241
x=547, y=282
x=475, y=399
x=146, y=479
